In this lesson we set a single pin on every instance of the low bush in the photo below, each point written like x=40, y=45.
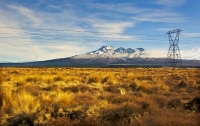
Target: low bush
x=93, y=79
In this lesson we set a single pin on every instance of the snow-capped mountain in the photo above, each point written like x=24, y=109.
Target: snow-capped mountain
x=106, y=56
x=112, y=52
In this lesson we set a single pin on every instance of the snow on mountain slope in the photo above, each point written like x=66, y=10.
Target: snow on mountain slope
x=112, y=52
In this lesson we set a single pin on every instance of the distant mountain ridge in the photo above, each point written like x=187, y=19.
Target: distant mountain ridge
x=112, y=52
x=106, y=56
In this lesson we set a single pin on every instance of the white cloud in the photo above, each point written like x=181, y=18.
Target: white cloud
x=32, y=51
x=60, y=51
x=140, y=14
x=191, y=54
x=157, y=53
x=159, y=16
x=122, y=8
x=111, y=27
x=11, y=38
x=27, y=13
x=185, y=54
x=113, y=30
x=19, y=45
x=165, y=29
x=191, y=35
x=170, y=2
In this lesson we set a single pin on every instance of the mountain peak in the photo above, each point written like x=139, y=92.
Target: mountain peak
x=112, y=52
x=106, y=47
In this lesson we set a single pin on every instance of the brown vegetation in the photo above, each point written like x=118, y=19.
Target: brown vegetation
x=99, y=96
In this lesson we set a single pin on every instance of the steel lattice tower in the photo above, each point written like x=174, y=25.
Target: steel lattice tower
x=173, y=56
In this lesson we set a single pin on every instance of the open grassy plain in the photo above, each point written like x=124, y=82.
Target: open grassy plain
x=99, y=96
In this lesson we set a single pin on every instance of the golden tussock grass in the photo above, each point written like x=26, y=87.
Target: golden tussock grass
x=19, y=102
x=98, y=96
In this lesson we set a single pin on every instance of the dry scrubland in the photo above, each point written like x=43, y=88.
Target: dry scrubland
x=98, y=96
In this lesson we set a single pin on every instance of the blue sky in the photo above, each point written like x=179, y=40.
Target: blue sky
x=46, y=29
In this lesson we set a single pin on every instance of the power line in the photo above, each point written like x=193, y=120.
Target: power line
x=62, y=37
x=43, y=29
x=10, y=43
x=51, y=29
x=19, y=39
x=89, y=37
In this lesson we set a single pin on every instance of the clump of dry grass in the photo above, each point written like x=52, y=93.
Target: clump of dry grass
x=6, y=99
x=172, y=118
x=94, y=79
x=79, y=88
x=18, y=106
x=84, y=98
x=21, y=82
x=62, y=98
x=174, y=102
x=59, y=78
x=48, y=79
x=25, y=103
x=111, y=88
x=123, y=114
x=33, y=79
x=19, y=102
x=1, y=79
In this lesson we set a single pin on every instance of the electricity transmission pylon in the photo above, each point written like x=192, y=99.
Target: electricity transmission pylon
x=173, y=56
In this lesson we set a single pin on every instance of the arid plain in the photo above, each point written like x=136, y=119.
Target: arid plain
x=99, y=96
